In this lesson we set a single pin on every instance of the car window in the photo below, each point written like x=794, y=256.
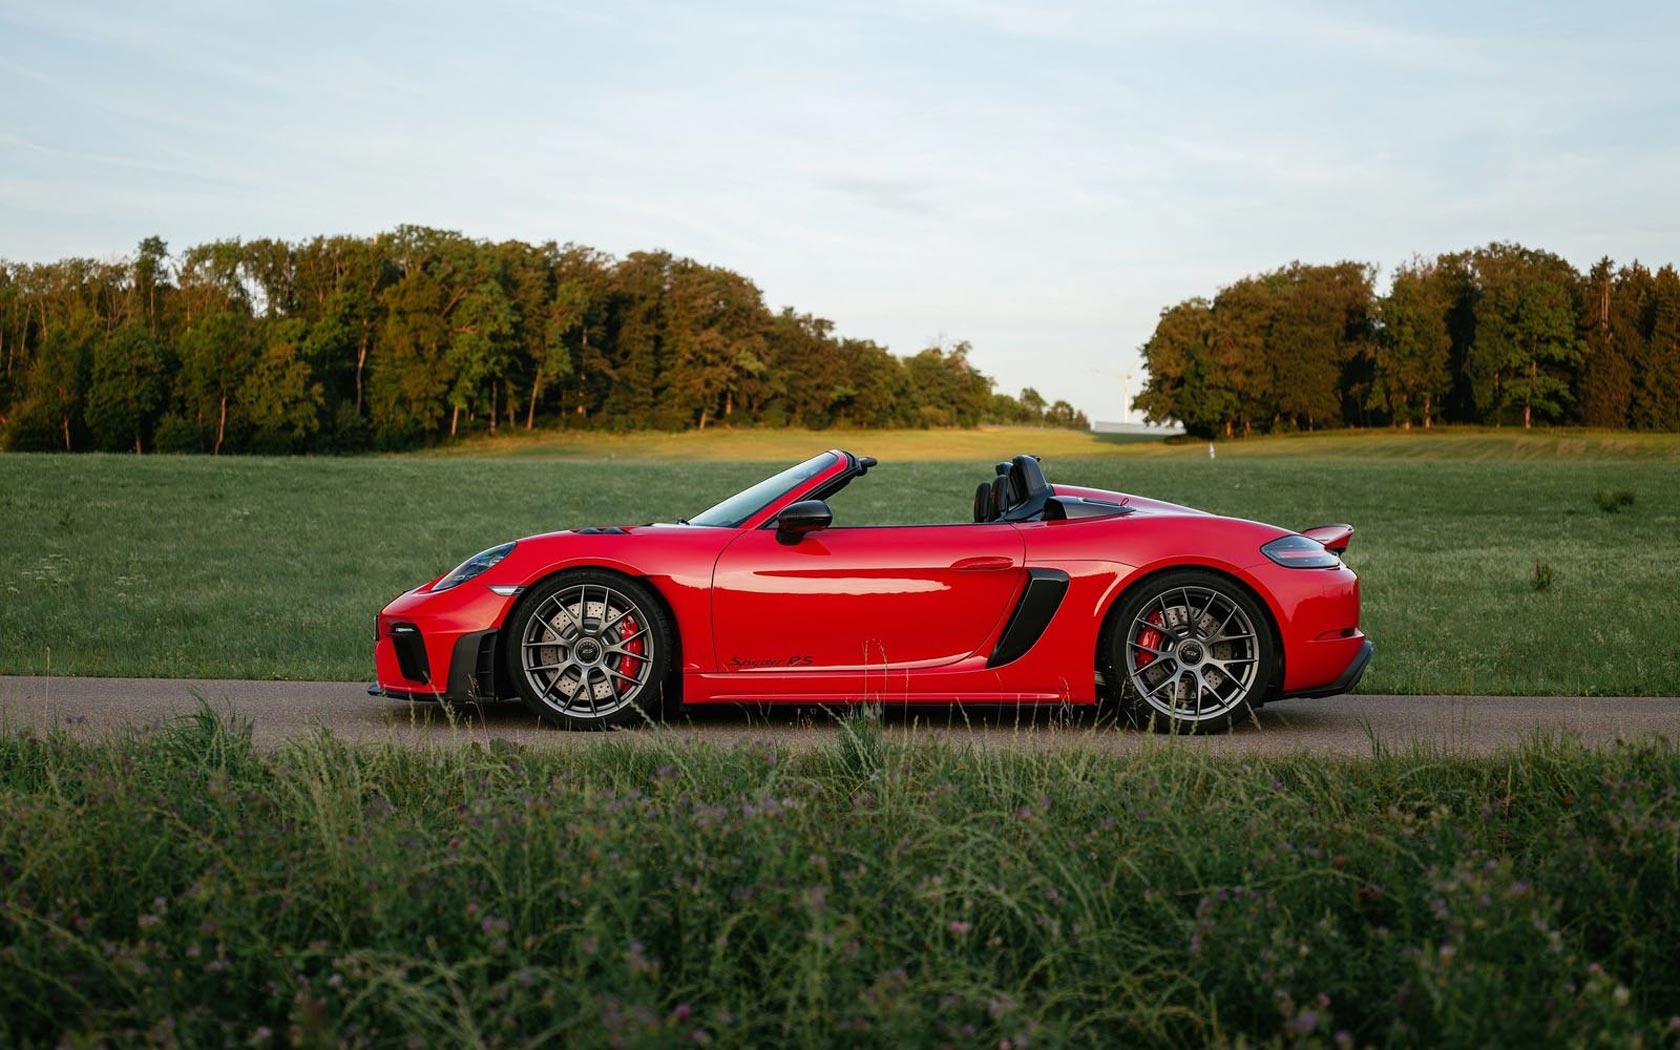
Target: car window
x=744, y=504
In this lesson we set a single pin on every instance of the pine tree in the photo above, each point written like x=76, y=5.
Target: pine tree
x=1656, y=395
x=1606, y=387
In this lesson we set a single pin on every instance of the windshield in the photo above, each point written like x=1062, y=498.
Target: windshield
x=744, y=504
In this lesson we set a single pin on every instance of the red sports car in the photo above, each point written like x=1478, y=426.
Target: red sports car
x=1051, y=595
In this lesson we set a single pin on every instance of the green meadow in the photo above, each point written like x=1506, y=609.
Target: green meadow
x=1491, y=561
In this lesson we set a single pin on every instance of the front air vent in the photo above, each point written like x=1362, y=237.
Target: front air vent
x=411, y=653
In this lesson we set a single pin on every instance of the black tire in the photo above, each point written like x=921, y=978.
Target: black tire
x=1188, y=651
x=589, y=649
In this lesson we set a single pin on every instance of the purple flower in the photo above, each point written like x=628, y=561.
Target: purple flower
x=958, y=927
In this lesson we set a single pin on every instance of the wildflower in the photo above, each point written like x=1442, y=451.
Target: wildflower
x=958, y=927
x=638, y=960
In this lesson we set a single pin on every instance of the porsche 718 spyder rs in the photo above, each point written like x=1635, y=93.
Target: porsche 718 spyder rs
x=1051, y=595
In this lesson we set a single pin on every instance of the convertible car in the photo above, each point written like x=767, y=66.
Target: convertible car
x=1185, y=621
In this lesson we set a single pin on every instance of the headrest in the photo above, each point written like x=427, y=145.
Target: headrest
x=1000, y=497
x=983, y=502
x=1026, y=478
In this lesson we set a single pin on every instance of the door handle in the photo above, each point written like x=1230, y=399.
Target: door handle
x=984, y=563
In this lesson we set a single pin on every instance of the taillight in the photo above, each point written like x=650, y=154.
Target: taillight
x=1298, y=552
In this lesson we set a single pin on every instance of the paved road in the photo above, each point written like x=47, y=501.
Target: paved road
x=1338, y=725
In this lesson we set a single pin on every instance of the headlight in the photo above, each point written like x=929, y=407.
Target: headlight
x=473, y=566
x=1300, y=552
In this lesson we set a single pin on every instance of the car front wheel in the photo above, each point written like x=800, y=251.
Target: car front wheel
x=590, y=650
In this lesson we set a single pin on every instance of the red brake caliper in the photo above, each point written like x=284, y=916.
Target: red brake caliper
x=1150, y=638
x=630, y=661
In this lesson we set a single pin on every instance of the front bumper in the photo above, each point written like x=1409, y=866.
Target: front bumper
x=441, y=646
x=473, y=672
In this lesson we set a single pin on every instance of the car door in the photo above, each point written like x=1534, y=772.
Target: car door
x=851, y=598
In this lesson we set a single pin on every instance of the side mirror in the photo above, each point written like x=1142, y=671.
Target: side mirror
x=802, y=519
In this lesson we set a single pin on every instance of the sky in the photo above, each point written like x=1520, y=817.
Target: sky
x=1037, y=179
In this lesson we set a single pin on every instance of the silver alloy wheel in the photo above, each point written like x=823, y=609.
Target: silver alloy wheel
x=1192, y=654
x=587, y=651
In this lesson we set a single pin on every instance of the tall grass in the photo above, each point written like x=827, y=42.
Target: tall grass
x=180, y=885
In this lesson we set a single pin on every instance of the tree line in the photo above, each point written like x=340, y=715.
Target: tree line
x=1497, y=335
x=419, y=335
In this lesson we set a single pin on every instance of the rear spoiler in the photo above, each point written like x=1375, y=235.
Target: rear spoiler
x=1334, y=537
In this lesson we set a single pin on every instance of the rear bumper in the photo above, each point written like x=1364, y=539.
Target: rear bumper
x=1317, y=614
x=1349, y=679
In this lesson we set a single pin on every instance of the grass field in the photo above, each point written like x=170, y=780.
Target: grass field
x=792, y=444
x=988, y=443
x=179, y=888
x=275, y=567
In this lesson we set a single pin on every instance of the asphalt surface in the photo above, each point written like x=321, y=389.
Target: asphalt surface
x=1344, y=725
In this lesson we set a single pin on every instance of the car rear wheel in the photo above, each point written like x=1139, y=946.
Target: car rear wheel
x=590, y=650
x=1189, y=651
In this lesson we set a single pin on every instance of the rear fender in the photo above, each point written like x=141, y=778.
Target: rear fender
x=1241, y=577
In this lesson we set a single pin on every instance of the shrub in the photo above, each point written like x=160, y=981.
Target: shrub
x=1612, y=500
